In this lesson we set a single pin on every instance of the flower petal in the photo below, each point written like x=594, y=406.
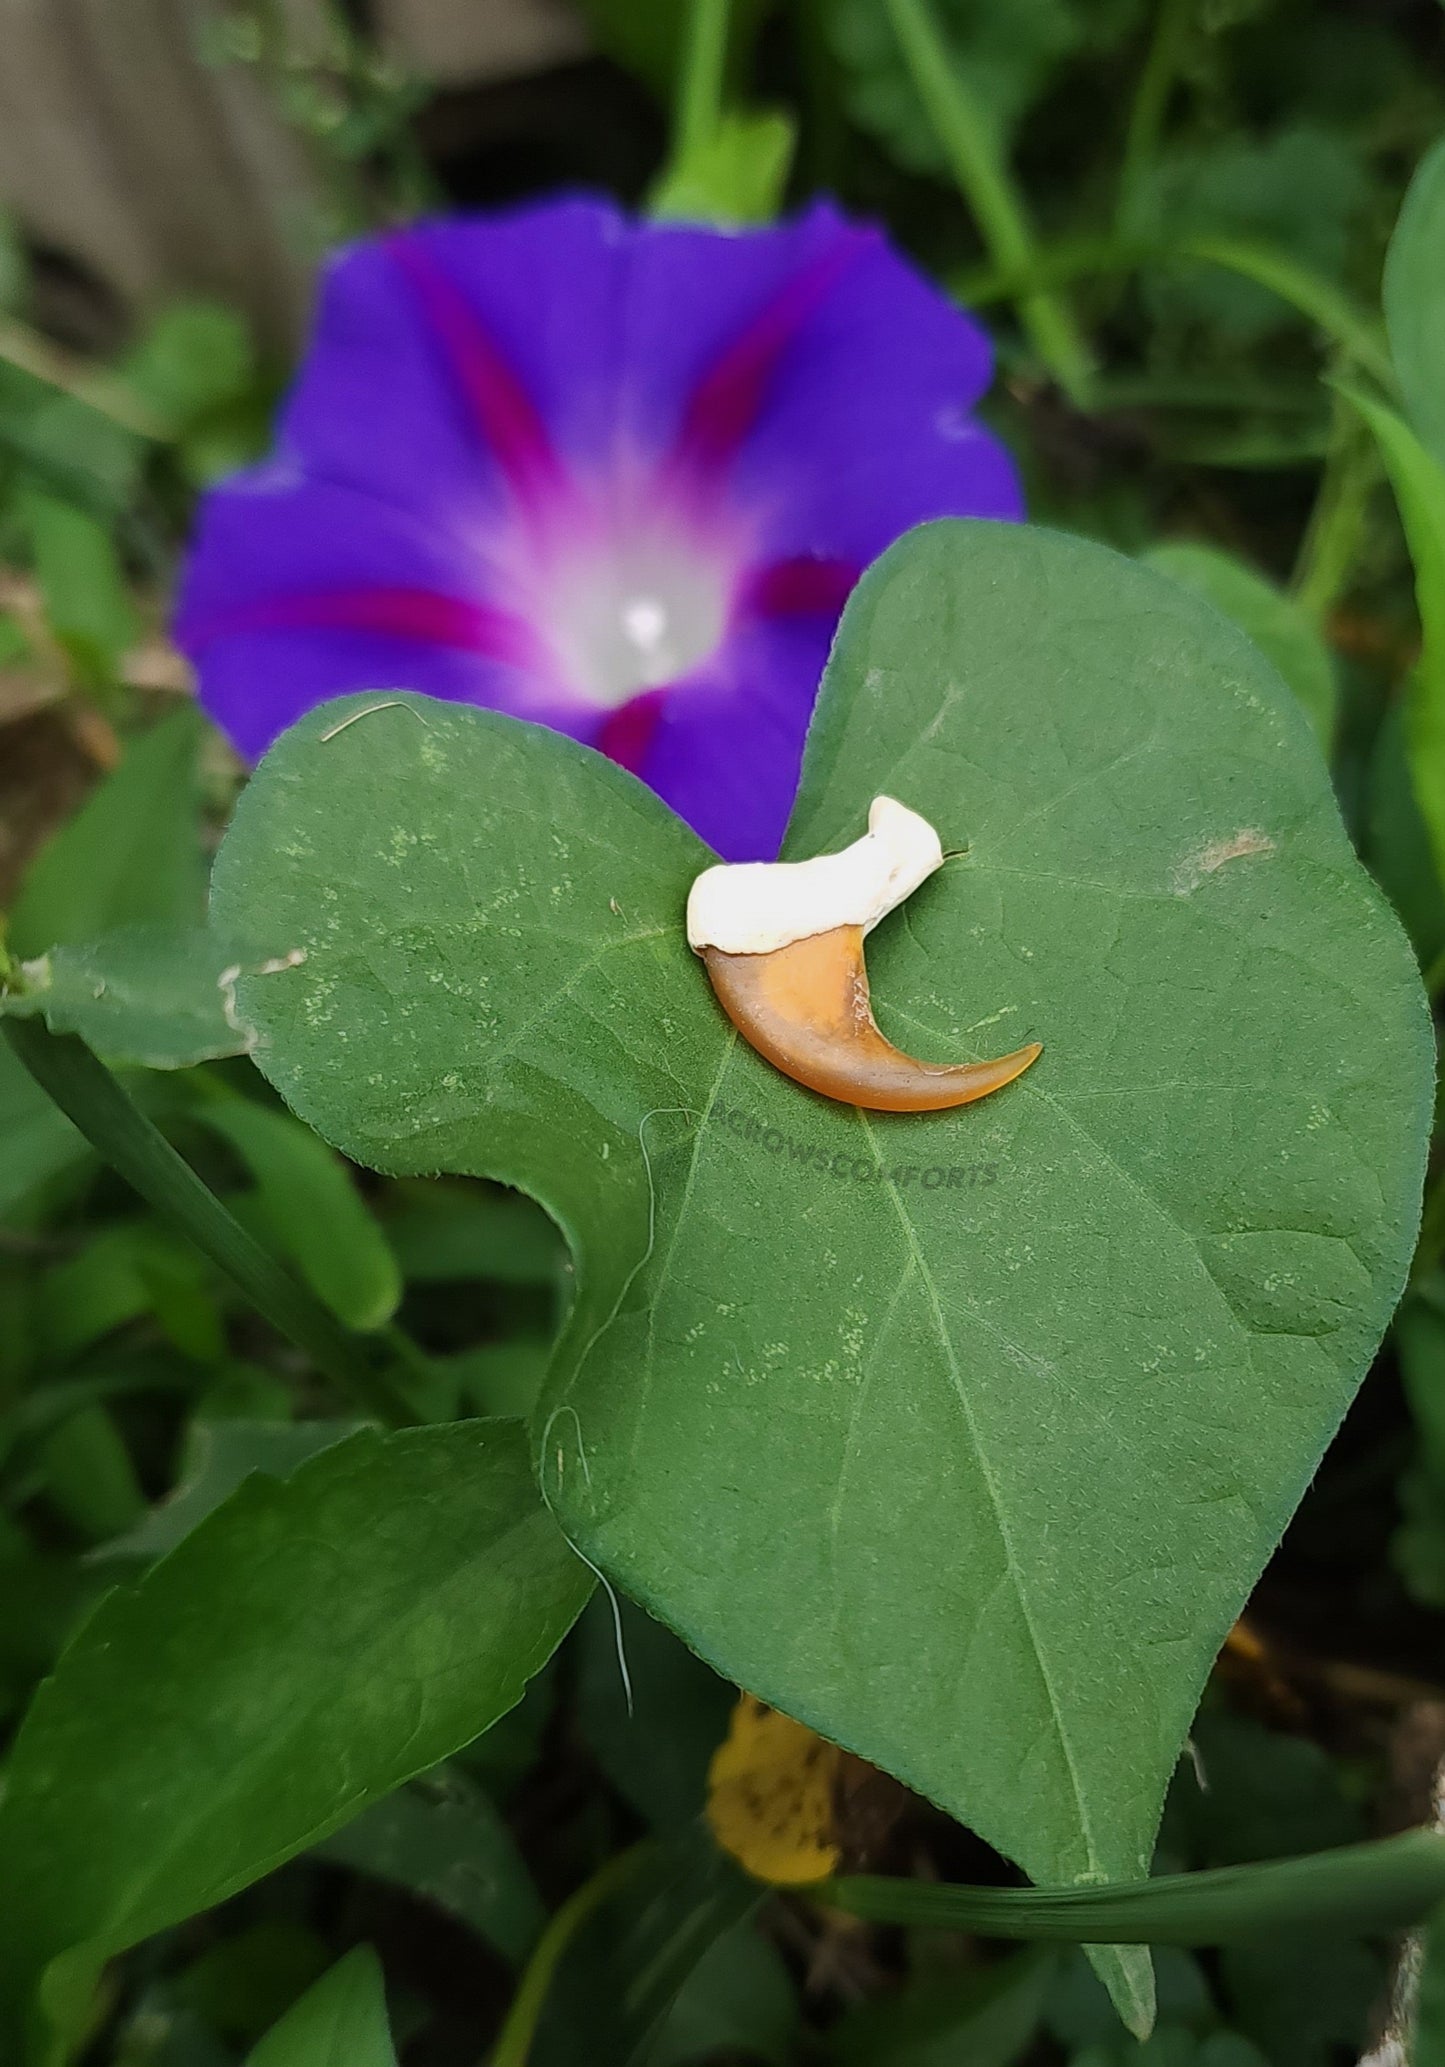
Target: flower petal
x=864, y=430
x=728, y=742
x=450, y=361
x=300, y=591
x=503, y=420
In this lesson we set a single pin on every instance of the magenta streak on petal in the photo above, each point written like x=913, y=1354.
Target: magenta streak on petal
x=626, y=733
x=503, y=410
x=398, y=613
x=727, y=400
x=800, y=587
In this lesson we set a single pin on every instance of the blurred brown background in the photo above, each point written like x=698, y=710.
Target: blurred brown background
x=144, y=161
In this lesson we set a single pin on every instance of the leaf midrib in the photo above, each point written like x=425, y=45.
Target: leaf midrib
x=920, y=1264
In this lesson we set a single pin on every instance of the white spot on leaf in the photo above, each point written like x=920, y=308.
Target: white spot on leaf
x=1216, y=854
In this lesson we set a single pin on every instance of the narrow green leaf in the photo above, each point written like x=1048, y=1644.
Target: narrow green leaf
x=88, y=604
x=1364, y=1888
x=1284, y=634
x=312, y=1210
x=339, y=2022
x=962, y=1393
x=1415, y=300
x=87, y=1093
x=1419, y=484
x=130, y=856
x=312, y=1644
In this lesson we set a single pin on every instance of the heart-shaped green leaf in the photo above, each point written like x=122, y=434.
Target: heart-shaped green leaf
x=960, y=1436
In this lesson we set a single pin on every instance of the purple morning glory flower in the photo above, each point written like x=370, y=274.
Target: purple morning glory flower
x=614, y=477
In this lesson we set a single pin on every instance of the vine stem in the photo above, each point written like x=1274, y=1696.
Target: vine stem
x=1366, y=1887
x=700, y=81
x=514, y=2043
x=100, y=1106
x=108, y=395
x=1341, y=512
x=1151, y=102
x=1318, y=300
x=984, y=182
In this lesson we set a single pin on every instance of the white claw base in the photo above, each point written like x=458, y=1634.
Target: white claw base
x=755, y=907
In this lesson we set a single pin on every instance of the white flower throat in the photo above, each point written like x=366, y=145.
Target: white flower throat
x=634, y=614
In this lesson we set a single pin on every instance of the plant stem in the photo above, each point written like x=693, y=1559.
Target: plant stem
x=514, y=2043
x=86, y=1092
x=1358, y=335
x=1359, y=1888
x=984, y=182
x=700, y=82
x=107, y=395
x=1337, y=522
x=1151, y=102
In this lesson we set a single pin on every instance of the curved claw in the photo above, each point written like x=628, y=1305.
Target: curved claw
x=805, y=1007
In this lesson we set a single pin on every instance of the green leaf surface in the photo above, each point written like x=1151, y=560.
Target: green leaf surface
x=986, y=2017
x=739, y=1999
x=156, y=997
x=1079, y=2013
x=926, y=1430
x=130, y=856
x=1283, y=632
x=625, y=1968
x=339, y=2022
x=312, y=1210
x=1172, y=2047
x=441, y=1838
x=1415, y=300
x=311, y=1645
